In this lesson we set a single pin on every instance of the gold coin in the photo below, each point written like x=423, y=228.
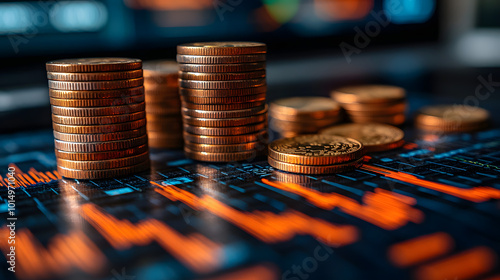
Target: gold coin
x=382, y=109
x=96, y=94
x=451, y=128
x=375, y=137
x=163, y=72
x=223, y=100
x=227, y=148
x=221, y=48
x=311, y=126
x=303, y=108
x=96, y=102
x=102, y=85
x=397, y=119
x=104, y=64
x=97, y=129
x=96, y=76
x=260, y=136
x=67, y=120
x=98, y=111
x=102, y=155
x=104, y=164
x=220, y=93
x=222, y=107
x=219, y=59
x=224, y=122
x=446, y=115
x=369, y=94
x=222, y=76
x=68, y=137
x=222, y=84
x=103, y=173
x=225, y=131
x=222, y=68
x=225, y=114
x=315, y=169
x=316, y=149
x=92, y=147
x=221, y=157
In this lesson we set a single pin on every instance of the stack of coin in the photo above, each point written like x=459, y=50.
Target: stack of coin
x=316, y=154
x=99, y=118
x=223, y=92
x=303, y=115
x=376, y=137
x=373, y=103
x=452, y=118
x=163, y=105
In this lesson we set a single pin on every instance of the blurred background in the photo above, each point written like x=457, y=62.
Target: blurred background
x=440, y=51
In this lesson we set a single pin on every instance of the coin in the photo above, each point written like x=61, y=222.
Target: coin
x=91, y=147
x=91, y=129
x=103, y=173
x=168, y=100
x=68, y=120
x=101, y=85
x=260, y=136
x=316, y=149
x=221, y=48
x=222, y=107
x=226, y=148
x=220, y=93
x=223, y=100
x=311, y=125
x=301, y=108
x=163, y=72
x=225, y=114
x=104, y=164
x=222, y=68
x=105, y=64
x=223, y=131
x=164, y=126
x=128, y=134
x=315, y=169
x=166, y=142
x=368, y=94
x=102, y=155
x=96, y=102
x=384, y=108
x=98, y=111
x=222, y=84
x=95, y=94
x=222, y=76
x=225, y=122
x=459, y=115
x=155, y=109
x=220, y=157
x=96, y=76
x=375, y=137
x=228, y=59
x=397, y=119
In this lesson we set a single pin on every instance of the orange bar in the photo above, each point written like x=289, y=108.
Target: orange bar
x=260, y=272
x=51, y=175
x=465, y=265
x=422, y=248
x=57, y=174
x=28, y=178
x=32, y=173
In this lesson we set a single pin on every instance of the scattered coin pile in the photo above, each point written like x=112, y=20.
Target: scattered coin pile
x=98, y=117
x=163, y=105
x=373, y=103
x=452, y=118
x=316, y=154
x=223, y=92
x=376, y=137
x=303, y=115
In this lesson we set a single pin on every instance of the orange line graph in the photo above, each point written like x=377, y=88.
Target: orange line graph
x=194, y=250
x=31, y=178
x=477, y=194
x=266, y=226
x=63, y=253
x=382, y=208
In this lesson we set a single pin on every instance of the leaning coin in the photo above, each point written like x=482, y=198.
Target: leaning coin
x=104, y=64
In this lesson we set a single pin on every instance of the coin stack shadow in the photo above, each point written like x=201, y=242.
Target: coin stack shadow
x=303, y=115
x=99, y=118
x=373, y=103
x=163, y=105
x=222, y=87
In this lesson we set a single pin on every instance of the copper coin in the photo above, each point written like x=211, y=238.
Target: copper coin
x=91, y=129
x=260, y=136
x=222, y=84
x=171, y=101
x=102, y=85
x=375, y=137
x=95, y=94
x=459, y=115
x=162, y=90
x=300, y=108
x=96, y=102
x=316, y=149
x=222, y=76
x=304, y=125
x=166, y=143
x=103, y=64
x=161, y=72
x=397, y=119
x=315, y=169
x=224, y=100
x=228, y=148
x=84, y=138
x=222, y=68
x=219, y=59
x=225, y=114
x=161, y=109
x=224, y=131
x=383, y=108
x=96, y=76
x=164, y=126
x=98, y=111
x=98, y=120
x=221, y=48
x=102, y=155
x=104, y=164
x=91, y=147
x=222, y=107
x=220, y=157
x=103, y=173
x=220, y=93
x=369, y=94
x=451, y=128
x=224, y=122
x=164, y=118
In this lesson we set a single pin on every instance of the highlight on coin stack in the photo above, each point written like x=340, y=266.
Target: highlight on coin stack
x=223, y=88
x=99, y=118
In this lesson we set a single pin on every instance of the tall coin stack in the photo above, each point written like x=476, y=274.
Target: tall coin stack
x=223, y=92
x=373, y=103
x=163, y=105
x=99, y=118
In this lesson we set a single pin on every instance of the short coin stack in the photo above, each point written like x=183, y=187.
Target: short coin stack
x=98, y=117
x=223, y=92
x=373, y=103
x=316, y=154
x=163, y=105
x=303, y=115
x=452, y=118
